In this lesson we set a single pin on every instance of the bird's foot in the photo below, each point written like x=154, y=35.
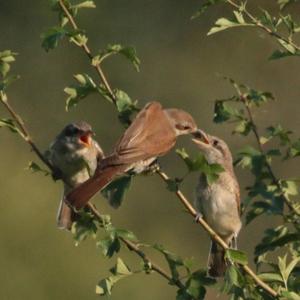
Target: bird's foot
x=198, y=217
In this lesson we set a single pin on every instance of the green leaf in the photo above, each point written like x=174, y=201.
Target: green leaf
x=290, y=295
x=85, y=4
x=173, y=260
x=34, y=168
x=236, y=256
x=223, y=23
x=6, y=58
x=109, y=246
x=277, y=54
x=126, y=107
x=119, y=271
x=10, y=124
x=52, y=36
x=116, y=190
x=127, y=51
x=224, y=112
x=84, y=87
x=289, y=188
x=205, y=6
x=126, y=234
x=84, y=227
x=270, y=277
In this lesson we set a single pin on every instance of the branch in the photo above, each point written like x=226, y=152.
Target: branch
x=165, y=177
x=261, y=149
x=87, y=51
x=130, y=245
x=215, y=236
x=262, y=26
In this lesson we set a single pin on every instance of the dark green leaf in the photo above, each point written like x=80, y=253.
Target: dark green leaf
x=126, y=234
x=34, y=168
x=116, y=190
x=224, y=112
x=84, y=227
x=205, y=6
x=236, y=256
x=109, y=246
x=126, y=107
x=126, y=51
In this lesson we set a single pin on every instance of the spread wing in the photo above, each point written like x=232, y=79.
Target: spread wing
x=150, y=135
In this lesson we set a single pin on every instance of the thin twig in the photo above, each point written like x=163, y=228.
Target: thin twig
x=179, y=194
x=263, y=27
x=87, y=51
x=261, y=149
x=135, y=248
x=215, y=236
x=130, y=245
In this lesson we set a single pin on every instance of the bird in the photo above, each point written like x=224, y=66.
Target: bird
x=218, y=203
x=74, y=155
x=152, y=133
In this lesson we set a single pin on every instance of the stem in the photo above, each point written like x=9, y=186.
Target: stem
x=87, y=51
x=130, y=245
x=263, y=27
x=135, y=248
x=25, y=133
x=215, y=236
x=179, y=194
x=261, y=149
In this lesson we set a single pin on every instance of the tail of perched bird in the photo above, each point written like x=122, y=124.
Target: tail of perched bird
x=216, y=261
x=65, y=216
x=80, y=196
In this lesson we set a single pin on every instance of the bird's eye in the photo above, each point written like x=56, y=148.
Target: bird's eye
x=215, y=143
x=72, y=131
x=186, y=127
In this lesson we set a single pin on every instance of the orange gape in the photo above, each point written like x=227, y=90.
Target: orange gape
x=152, y=134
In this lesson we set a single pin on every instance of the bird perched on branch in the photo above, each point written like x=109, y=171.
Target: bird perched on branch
x=151, y=134
x=74, y=155
x=219, y=203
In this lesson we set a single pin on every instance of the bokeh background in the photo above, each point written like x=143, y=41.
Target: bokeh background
x=179, y=68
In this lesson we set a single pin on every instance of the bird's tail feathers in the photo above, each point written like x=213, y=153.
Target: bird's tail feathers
x=80, y=196
x=216, y=261
x=65, y=216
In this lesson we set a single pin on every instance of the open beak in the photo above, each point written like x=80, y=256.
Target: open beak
x=86, y=139
x=200, y=137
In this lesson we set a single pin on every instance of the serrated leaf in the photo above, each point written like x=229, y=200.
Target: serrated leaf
x=236, y=256
x=127, y=51
x=52, y=36
x=224, y=112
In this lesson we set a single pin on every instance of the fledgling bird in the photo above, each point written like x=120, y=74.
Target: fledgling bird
x=152, y=134
x=219, y=203
x=75, y=155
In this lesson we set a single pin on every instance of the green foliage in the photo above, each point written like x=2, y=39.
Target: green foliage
x=127, y=51
x=236, y=256
x=211, y=171
x=125, y=106
x=115, y=191
x=205, y=6
x=6, y=58
x=119, y=271
x=35, y=168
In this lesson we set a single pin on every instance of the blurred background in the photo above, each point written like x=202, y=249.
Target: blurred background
x=179, y=68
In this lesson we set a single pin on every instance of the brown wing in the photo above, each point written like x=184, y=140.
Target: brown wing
x=150, y=135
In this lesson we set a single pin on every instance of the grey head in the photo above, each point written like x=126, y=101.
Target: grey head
x=77, y=135
x=182, y=122
x=214, y=149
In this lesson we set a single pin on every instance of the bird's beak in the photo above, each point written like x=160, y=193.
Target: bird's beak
x=200, y=137
x=86, y=139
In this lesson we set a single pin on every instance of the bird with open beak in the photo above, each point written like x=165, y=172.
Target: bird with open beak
x=152, y=133
x=219, y=203
x=75, y=155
